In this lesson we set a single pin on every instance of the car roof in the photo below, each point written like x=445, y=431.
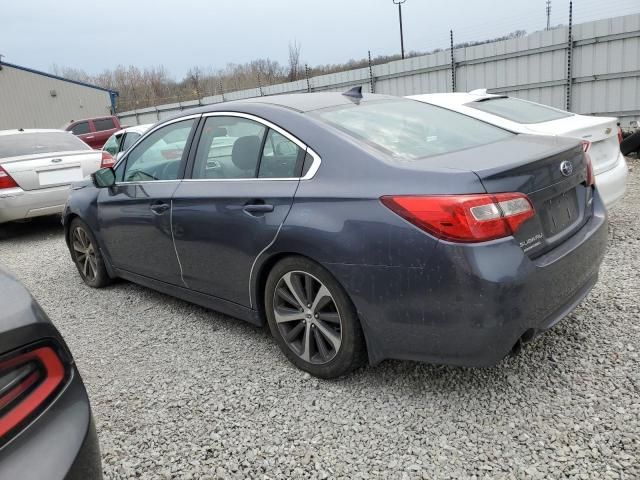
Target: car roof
x=301, y=102
x=100, y=117
x=136, y=128
x=454, y=98
x=17, y=131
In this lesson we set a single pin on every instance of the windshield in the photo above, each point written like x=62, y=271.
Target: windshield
x=518, y=110
x=407, y=129
x=31, y=143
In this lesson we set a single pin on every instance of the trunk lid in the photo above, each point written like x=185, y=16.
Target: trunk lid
x=531, y=164
x=602, y=132
x=34, y=172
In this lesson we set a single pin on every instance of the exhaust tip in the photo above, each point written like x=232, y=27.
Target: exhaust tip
x=525, y=338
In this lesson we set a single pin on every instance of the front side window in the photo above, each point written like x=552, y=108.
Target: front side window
x=229, y=147
x=408, y=130
x=104, y=124
x=158, y=156
x=112, y=145
x=81, y=128
x=280, y=157
x=518, y=110
x=129, y=139
x=33, y=143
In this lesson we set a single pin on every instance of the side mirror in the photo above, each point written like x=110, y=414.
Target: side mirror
x=104, y=178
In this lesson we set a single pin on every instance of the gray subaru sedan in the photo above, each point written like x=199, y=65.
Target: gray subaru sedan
x=358, y=227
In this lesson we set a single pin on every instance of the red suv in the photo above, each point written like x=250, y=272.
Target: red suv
x=94, y=131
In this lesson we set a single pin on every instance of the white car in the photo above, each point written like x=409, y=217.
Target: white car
x=37, y=168
x=600, y=134
x=122, y=140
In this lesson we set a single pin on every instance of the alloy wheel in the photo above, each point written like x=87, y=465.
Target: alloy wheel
x=307, y=317
x=85, y=253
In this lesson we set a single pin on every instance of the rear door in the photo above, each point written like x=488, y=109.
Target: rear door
x=243, y=177
x=135, y=214
x=84, y=131
x=37, y=160
x=104, y=128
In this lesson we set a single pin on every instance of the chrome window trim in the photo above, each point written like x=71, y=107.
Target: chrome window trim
x=143, y=182
x=313, y=169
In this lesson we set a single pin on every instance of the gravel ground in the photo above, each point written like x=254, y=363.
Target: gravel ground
x=182, y=392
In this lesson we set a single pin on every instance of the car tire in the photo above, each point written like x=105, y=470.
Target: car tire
x=313, y=319
x=86, y=255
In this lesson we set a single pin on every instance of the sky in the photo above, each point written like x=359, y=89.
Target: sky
x=94, y=36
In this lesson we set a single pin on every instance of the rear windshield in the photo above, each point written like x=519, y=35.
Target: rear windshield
x=34, y=143
x=518, y=110
x=407, y=129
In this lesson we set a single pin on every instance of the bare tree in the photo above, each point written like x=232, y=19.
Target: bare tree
x=194, y=77
x=294, y=61
x=145, y=87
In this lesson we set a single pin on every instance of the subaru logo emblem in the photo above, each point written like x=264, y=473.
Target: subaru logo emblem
x=566, y=168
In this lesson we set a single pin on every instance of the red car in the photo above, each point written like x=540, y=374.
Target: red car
x=94, y=131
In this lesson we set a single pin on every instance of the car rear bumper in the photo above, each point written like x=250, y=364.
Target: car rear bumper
x=18, y=204
x=59, y=444
x=472, y=303
x=612, y=184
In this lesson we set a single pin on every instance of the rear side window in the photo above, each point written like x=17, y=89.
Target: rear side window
x=518, y=110
x=229, y=147
x=280, y=157
x=408, y=130
x=80, y=128
x=35, y=143
x=104, y=124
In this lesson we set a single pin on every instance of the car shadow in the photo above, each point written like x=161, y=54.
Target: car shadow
x=540, y=362
x=32, y=229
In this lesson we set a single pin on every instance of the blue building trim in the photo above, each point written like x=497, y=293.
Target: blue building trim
x=113, y=93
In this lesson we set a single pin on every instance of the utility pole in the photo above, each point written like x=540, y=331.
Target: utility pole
x=548, y=14
x=399, y=3
x=569, y=58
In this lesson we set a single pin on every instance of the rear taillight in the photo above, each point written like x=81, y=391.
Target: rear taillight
x=5, y=180
x=591, y=178
x=27, y=383
x=107, y=160
x=464, y=218
x=620, y=138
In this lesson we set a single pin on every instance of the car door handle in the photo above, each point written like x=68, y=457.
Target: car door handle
x=258, y=208
x=91, y=136
x=160, y=208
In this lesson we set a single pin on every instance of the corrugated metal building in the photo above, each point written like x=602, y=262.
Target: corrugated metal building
x=33, y=99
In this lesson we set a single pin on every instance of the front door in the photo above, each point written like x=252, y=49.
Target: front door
x=135, y=214
x=243, y=179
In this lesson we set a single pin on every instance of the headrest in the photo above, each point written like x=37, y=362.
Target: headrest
x=245, y=152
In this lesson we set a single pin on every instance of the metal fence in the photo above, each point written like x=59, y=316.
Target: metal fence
x=591, y=68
